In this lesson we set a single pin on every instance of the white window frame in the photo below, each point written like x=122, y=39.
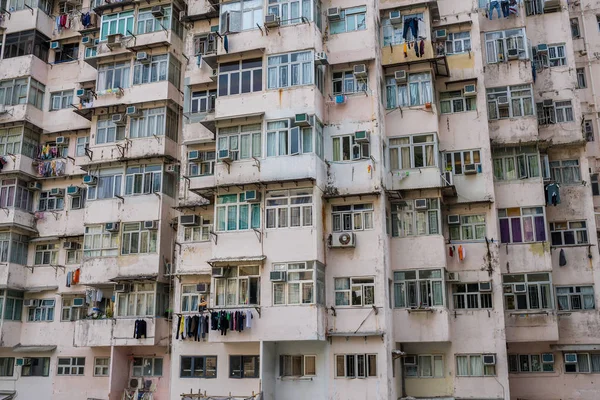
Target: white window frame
x=70, y=313
x=61, y=100
x=234, y=289
x=459, y=158
x=423, y=287
x=153, y=122
x=578, y=230
x=352, y=285
x=47, y=202
x=291, y=208
x=107, y=132
x=356, y=151
x=204, y=166
x=96, y=235
x=557, y=55
x=488, y=370
x=143, y=179
x=139, y=302
x=398, y=95
x=581, y=78
x=134, y=236
x=191, y=299
x=283, y=139
x=42, y=313
x=241, y=16
x=112, y=179
x=297, y=289
x=497, y=44
x=148, y=23
x=203, y=101
x=588, y=363
x=524, y=213
x=351, y=364
x=560, y=168
x=471, y=298
x=407, y=221
x=285, y=10
x=394, y=34
x=347, y=83
x=46, y=254
x=73, y=257
x=120, y=76
x=396, y=146
x=234, y=137
x=541, y=292
x=521, y=161
x=350, y=20
x=101, y=366
x=458, y=45
x=568, y=293
x=286, y=365
x=70, y=366
x=152, y=362
x=520, y=96
x=82, y=144
x=515, y=365
x=205, y=44
x=280, y=69
x=453, y=98
x=223, y=208
x=471, y=227
x=156, y=69
x=246, y=76
x=419, y=372
x=200, y=233
x=110, y=23
x=360, y=217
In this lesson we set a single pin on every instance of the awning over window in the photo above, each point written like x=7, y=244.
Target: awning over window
x=38, y=289
x=24, y=348
x=44, y=239
x=234, y=261
x=211, y=124
x=575, y=347
x=7, y=395
x=151, y=277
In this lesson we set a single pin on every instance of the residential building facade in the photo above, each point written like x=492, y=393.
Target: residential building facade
x=289, y=200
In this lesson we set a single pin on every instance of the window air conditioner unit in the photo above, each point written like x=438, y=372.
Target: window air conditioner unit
x=277, y=276
x=133, y=111
x=193, y=155
x=55, y=46
x=172, y=168
x=70, y=245
x=78, y=302
x=90, y=180
x=189, y=220
x=452, y=277
x=151, y=225
x=252, y=196
x=548, y=103
x=360, y=71
x=551, y=5
x=218, y=272
x=542, y=48
x=361, y=136
x=82, y=94
x=111, y=226
x=520, y=288
x=87, y=41
x=302, y=119
x=513, y=54
x=34, y=186
x=421, y=204
x=343, y=239
x=118, y=119
x=142, y=56
x=441, y=34
x=400, y=76
x=485, y=286
x=410, y=360
x=489, y=359
x=113, y=41
x=321, y=58
x=470, y=169
x=31, y=302
x=547, y=357
x=202, y=288
x=570, y=358
x=157, y=11
x=272, y=21
x=470, y=90
x=395, y=17
x=56, y=192
x=333, y=14
x=136, y=383
x=453, y=219
x=122, y=287
x=60, y=140
x=502, y=100
x=225, y=155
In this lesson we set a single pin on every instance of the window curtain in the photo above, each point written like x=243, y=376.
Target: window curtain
x=595, y=362
x=540, y=229
x=391, y=94
x=476, y=366
x=516, y=230
x=271, y=144
x=430, y=159
x=462, y=365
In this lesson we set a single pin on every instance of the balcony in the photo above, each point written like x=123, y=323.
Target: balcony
x=525, y=257
x=137, y=94
x=119, y=332
x=58, y=224
x=356, y=177
x=27, y=19
x=531, y=326
x=22, y=113
x=160, y=38
x=421, y=325
x=346, y=320
x=13, y=275
x=18, y=218
x=132, y=208
x=418, y=178
x=19, y=163
x=133, y=149
x=427, y=251
x=412, y=119
x=23, y=66
x=514, y=130
x=510, y=72
x=280, y=324
x=519, y=193
x=193, y=258
x=101, y=270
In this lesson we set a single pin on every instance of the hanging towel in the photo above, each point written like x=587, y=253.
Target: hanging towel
x=562, y=258
x=405, y=49
x=76, y=276
x=249, y=319
x=462, y=253
x=69, y=279
x=226, y=44
x=450, y=251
